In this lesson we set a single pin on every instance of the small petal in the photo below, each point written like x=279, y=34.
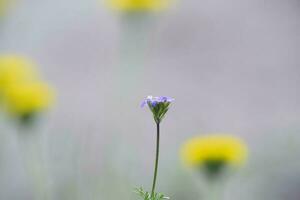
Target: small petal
x=146, y=101
x=154, y=103
x=143, y=103
x=165, y=99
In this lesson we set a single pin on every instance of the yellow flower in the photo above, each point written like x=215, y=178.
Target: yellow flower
x=28, y=98
x=15, y=69
x=214, y=150
x=138, y=5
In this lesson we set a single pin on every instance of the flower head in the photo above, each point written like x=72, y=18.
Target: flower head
x=138, y=5
x=22, y=93
x=213, y=152
x=26, y=99
x=16, y=69
x=156, y=100
x=159, y=106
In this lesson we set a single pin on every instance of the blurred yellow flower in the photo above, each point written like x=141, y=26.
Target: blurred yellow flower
x=213, y=151
x=15, y=69
x=138, y=5
x=28, y=98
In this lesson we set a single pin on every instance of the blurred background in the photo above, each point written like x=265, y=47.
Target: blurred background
x=232, y=66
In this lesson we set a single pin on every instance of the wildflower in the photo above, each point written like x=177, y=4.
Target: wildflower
x=22, y=93
x=27, y=99
x=14, y=70
x=159, y=107
x=214, y=152
x=138, y=5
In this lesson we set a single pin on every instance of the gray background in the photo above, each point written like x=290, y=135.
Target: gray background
x=232, y=66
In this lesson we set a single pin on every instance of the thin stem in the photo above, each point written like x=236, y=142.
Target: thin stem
x=215, y=190
x=156, y=161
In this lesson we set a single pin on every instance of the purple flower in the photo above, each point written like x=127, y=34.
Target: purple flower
x=156, y=100
x=159, y=106
x=164, y=99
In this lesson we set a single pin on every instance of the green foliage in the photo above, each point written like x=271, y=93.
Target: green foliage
x=159, y=110
x=147, y=195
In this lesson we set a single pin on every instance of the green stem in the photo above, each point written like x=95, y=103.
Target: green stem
x=156, y=161
x=215, y=191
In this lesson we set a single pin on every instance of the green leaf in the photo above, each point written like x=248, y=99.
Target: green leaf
x=147, y=196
